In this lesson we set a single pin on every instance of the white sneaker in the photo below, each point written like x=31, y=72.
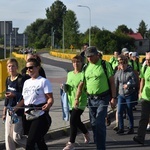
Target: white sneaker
x=69, y=146
x=148, y=127
x=86, y=138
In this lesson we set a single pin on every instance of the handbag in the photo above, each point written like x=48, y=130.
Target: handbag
x=33, y=114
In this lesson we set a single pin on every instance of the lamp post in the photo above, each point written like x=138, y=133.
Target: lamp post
x=89, y=22
x=4, y=39
x=10, y=44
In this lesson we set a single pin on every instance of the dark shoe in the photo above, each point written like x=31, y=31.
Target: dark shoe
x=120, y=131
x=116, y=128
x=108, y=121
x=134, y=108
x=130, y=131
x=138, y=140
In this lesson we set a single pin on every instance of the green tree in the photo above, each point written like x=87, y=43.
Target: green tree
x=55, y=15
x=102, y=40
x=142, y=28
x=71, y=29
x=35, y=31
x=123, y=29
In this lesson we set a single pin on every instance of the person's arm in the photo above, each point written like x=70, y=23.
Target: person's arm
x=113, y=92
x=19, y=105
x=78, y=94
x=4, y=113
x=50, y=101
x=142, y=83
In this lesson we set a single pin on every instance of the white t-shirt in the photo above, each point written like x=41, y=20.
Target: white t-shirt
x=34, y=90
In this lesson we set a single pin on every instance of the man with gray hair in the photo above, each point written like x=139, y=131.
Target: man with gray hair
x=99, y=94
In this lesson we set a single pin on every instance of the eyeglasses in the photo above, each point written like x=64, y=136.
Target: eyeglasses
x=30, y=67
x=147, y=59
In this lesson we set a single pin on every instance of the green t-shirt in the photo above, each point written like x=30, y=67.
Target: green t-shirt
x=136, y=65
x=146, y=88
x=73, y=81
x=96, y=80
x=114, y=62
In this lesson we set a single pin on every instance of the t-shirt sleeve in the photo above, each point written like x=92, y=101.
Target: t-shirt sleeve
x=47, y=86
x=142, y=72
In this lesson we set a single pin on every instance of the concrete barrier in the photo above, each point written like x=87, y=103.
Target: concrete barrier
x=70, y=56
x=3, y=69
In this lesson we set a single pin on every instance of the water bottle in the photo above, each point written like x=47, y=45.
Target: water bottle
x=14, y=118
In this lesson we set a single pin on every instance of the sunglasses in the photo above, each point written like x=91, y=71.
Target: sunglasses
x=30, y=67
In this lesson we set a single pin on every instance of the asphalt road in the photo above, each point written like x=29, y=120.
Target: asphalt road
x=113, y=141
x=67, y=65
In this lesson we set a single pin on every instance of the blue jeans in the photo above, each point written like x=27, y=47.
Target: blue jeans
x=98, y=112
x=125, y=102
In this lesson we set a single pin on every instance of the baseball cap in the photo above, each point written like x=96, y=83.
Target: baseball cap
x=90, y=51
x=135, y=54
x=130, y=53
x=124, y=50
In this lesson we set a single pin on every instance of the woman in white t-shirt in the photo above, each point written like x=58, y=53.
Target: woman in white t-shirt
x=38, y=99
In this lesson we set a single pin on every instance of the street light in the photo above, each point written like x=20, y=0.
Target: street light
x=89, y=21
x=4, y=39
x=10, y=44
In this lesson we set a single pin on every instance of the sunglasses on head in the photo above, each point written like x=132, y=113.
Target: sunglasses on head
x=30, y=67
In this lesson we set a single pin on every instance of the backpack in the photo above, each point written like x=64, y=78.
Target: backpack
x=103, y=63
x=138, y=68
x=105, y=70
x=145, y=67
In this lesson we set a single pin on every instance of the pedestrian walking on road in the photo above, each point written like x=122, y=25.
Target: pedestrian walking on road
x=99, y=94
x=13, y=95
x=77, y=99
x=125, y=82
x=144, y=95
x=38, y=99
x=24, y=70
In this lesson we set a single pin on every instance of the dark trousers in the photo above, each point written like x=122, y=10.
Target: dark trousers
x=145, y=113
x=75, y=123
x=37, y=129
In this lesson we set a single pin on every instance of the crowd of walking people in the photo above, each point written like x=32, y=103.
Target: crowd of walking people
x=93, y=83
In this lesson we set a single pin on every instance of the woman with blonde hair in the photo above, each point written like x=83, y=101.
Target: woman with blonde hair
x=13, y=95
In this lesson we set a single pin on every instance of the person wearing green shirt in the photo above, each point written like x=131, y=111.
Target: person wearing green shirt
x=114, y=60
x=77, y=99
x=144, y=94
x=136, y=65
x=99, y=94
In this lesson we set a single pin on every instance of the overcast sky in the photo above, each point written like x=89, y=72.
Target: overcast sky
x=108, y=14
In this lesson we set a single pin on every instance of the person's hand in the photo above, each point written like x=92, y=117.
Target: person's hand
x=140, y=95
x=125, y=86
x=9, y=95
x=3, y=118
x=61, y=86
x=76, y=103
x=47, y=106
x=113, y=103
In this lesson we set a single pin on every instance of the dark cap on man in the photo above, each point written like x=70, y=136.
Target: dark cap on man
x=90, y=51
